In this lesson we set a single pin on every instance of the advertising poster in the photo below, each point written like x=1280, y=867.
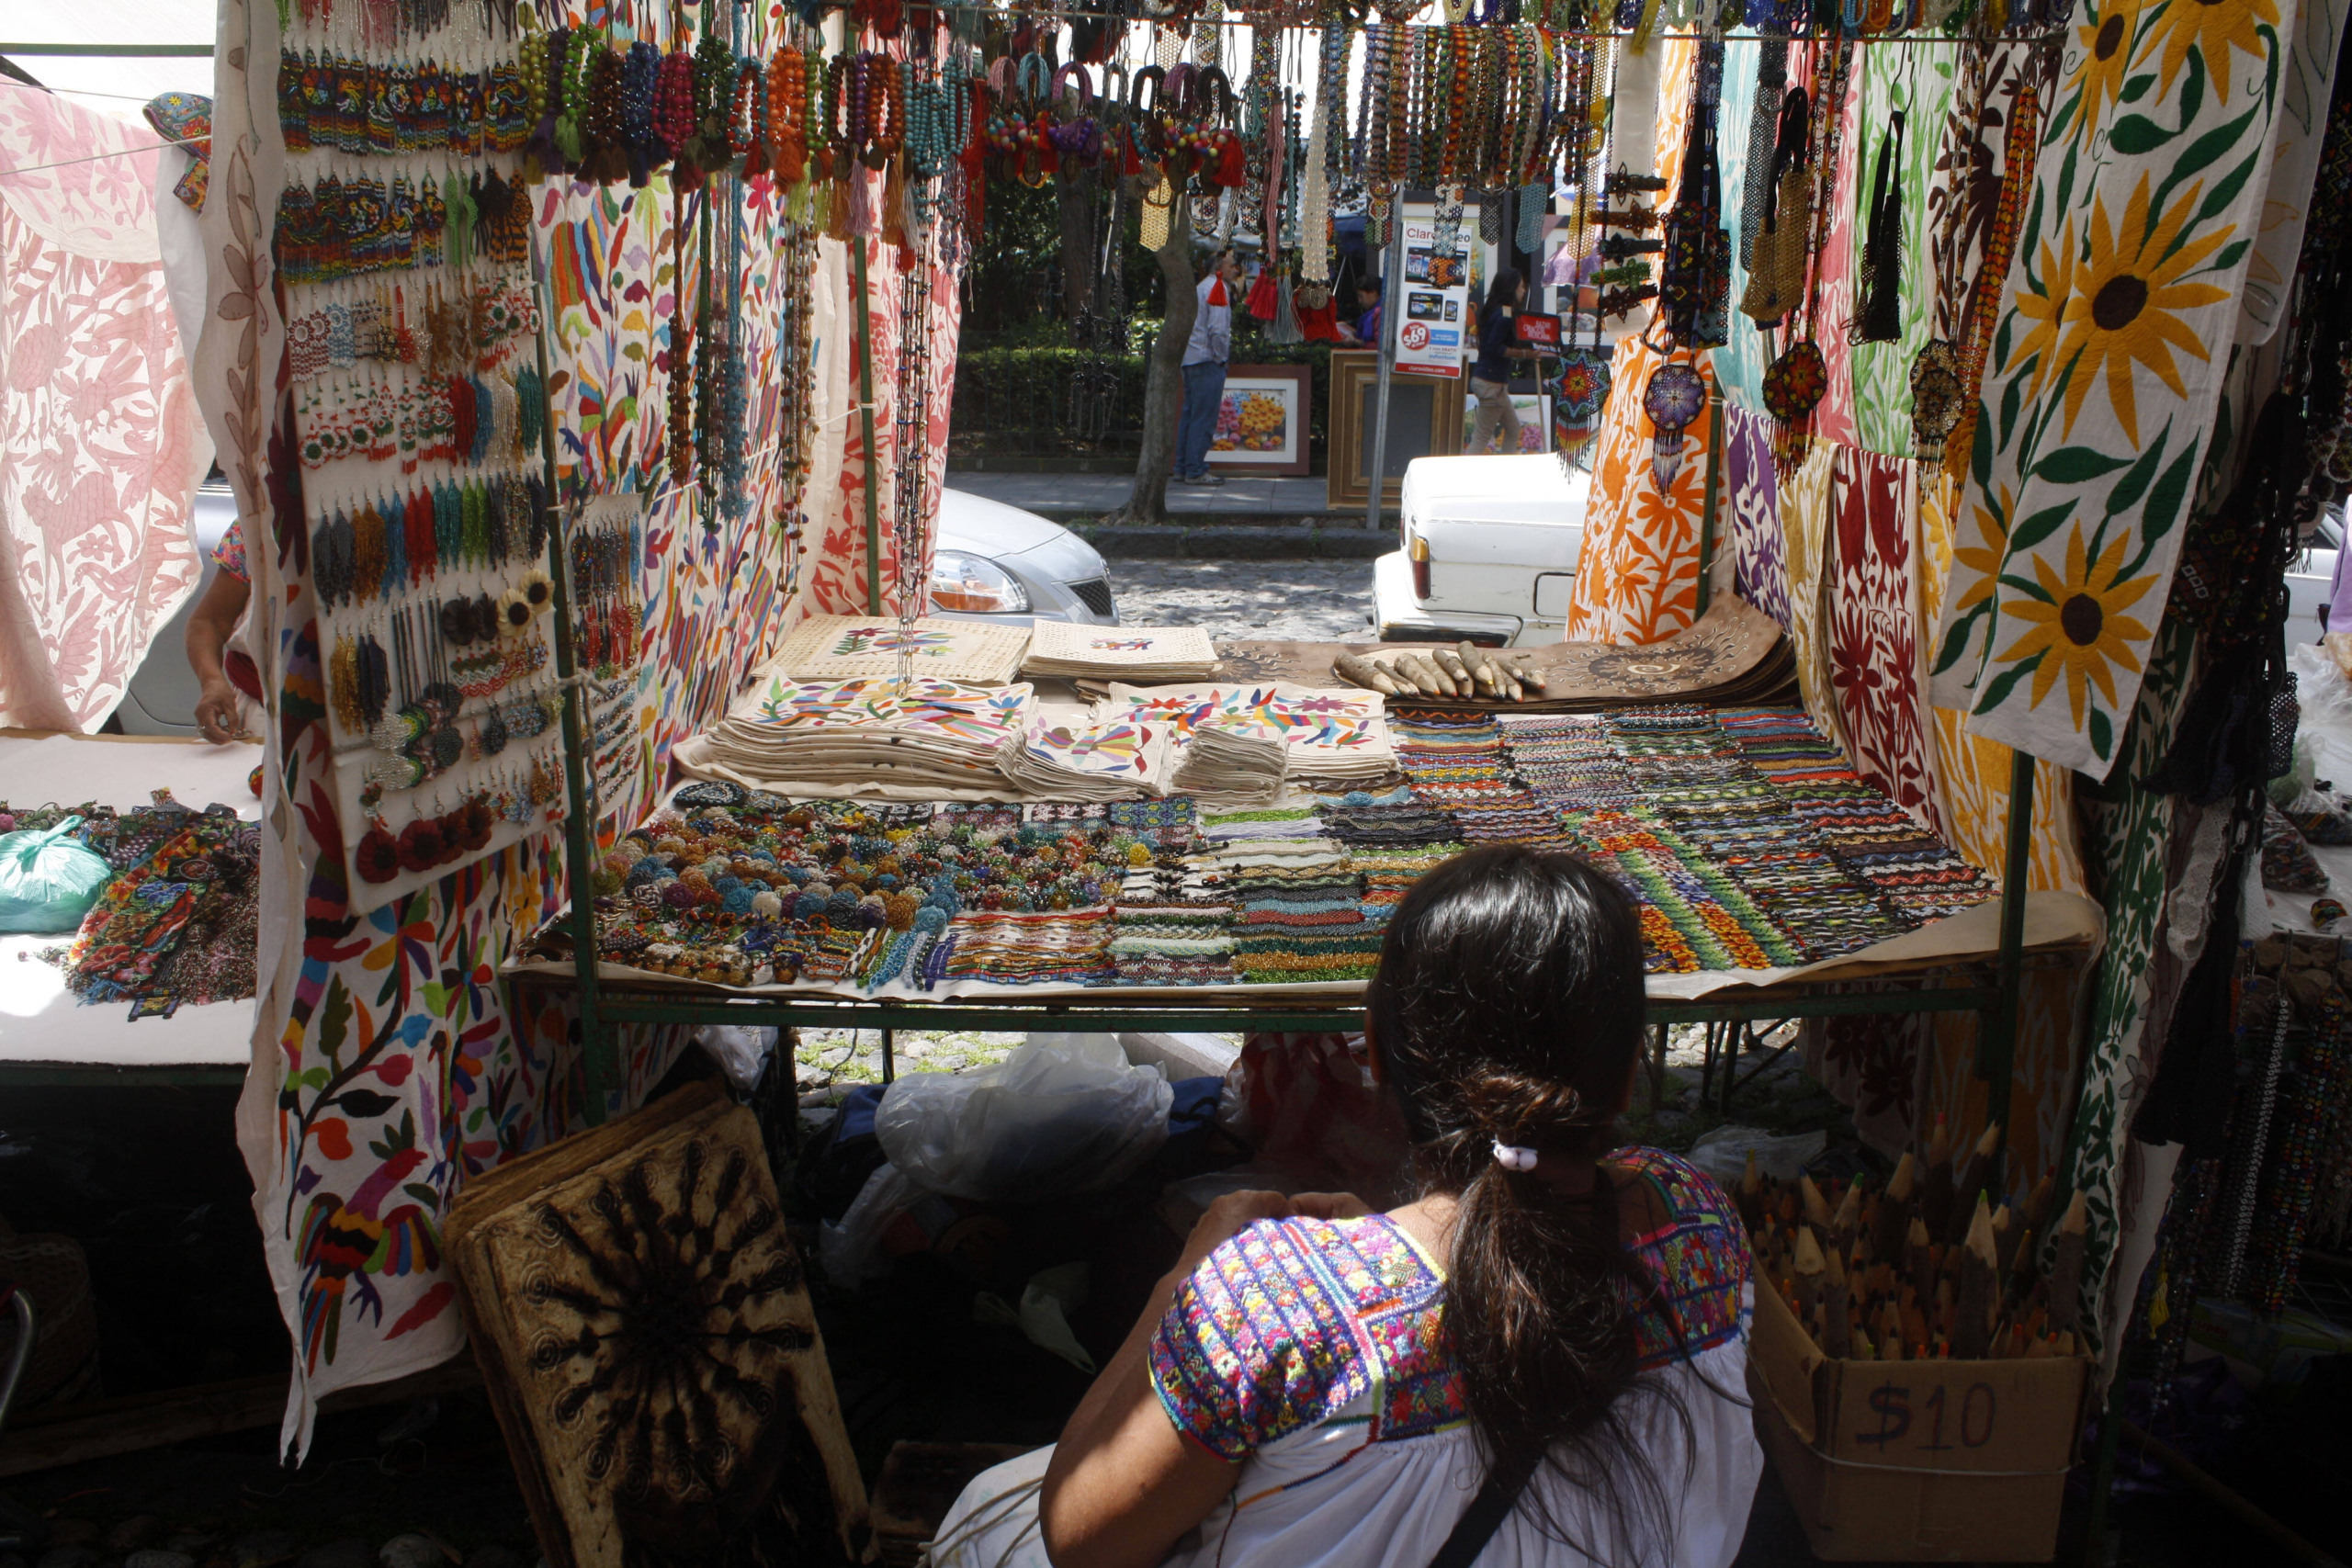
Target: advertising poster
x=1433, y=298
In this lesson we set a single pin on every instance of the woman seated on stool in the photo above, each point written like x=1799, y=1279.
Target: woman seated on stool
x=1540, y=1361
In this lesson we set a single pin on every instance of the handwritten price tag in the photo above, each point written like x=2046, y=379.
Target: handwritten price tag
x=1934, y=1420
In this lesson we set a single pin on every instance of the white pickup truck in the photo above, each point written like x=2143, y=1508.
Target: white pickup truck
x=1489, y=555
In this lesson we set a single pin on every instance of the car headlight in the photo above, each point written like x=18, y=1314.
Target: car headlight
x=975, y=584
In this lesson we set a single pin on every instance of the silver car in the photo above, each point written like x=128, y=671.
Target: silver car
x=994, y=563
x=999, y=563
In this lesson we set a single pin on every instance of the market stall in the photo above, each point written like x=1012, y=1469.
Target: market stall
x=613, y=439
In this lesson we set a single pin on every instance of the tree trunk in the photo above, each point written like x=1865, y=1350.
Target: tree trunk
x=1074, y=195
x=1163, y=390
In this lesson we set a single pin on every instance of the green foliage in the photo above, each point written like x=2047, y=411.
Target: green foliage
x=1013, y=283
x=1017, y=396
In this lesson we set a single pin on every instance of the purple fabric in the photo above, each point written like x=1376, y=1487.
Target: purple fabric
x=1760, y=559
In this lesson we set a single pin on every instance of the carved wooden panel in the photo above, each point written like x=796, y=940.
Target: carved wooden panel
x=643, y=1324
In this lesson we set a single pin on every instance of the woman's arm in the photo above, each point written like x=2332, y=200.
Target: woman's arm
x=1123, y=1484
x=210, y=625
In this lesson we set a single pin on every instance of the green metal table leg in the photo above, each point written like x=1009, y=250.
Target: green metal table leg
x=1997, y=1037
x=2111, y=1430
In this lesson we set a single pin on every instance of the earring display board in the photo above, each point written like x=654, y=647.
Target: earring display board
x=402, y=246
x=1424, y=420
x=1261, y=427
x=643, y=1326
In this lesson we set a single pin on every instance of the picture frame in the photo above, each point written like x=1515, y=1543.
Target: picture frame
x=1261, y=428
x=1424, y=420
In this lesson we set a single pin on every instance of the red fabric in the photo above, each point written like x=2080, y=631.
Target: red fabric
x=1321, y=326
x=1263, y=302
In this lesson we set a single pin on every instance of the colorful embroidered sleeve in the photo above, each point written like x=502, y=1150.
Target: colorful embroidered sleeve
x=1699, y=1257
x=229, y=555
x=1286, y=1325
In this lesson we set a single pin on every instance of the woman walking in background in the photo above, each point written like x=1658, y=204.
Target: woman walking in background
x=1490, y=372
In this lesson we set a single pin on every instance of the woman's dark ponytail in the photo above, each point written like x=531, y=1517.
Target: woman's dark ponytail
x=1508, y=1010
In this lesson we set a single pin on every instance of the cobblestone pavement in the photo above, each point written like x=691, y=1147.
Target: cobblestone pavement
x=826, y=1057
x=1309, y=601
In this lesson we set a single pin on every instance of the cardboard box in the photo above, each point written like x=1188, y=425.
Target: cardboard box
x=1914, y=1462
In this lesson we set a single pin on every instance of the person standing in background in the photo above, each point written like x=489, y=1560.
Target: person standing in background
x=1367, y=327
x=215, y=652
x=1490, y=372
x=1204, y=361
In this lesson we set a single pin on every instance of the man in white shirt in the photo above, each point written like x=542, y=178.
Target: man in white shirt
x=1204, y=358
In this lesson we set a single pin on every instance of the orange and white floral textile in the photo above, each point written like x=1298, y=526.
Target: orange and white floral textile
x=1638, y=579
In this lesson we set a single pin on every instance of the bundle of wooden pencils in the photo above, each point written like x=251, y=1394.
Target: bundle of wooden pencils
x=1923, y=1267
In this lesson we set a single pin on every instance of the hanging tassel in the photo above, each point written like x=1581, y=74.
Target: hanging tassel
x=837, y=213
x=1285, y=327
x=1880, y=319
x=1232, y=166
x=893, y=217
x=459, y=231
x=861, y=204
x=1533, y=201
x=530, y=407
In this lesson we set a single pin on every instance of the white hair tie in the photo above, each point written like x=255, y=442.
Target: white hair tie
x=1512, y=1158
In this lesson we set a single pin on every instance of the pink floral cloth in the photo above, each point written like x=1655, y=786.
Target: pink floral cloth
x=101, y=446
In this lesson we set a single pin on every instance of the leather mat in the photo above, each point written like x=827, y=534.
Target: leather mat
x=1735, y=656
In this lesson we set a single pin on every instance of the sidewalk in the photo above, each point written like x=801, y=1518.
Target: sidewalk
x=1064, y=496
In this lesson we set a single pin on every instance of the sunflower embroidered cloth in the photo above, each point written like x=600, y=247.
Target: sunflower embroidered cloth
x=2101, y=380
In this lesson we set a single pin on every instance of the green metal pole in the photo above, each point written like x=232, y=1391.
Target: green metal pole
x=1997, y=1047
x=1707, y=514
x=597, y=1043
x=865, y=425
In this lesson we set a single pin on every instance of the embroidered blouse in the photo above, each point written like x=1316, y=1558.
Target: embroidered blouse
x=1294, y=1320
x=1311, y=1353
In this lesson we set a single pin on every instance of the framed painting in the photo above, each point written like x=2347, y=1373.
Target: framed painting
x=1261, y=427
x=1424, y=420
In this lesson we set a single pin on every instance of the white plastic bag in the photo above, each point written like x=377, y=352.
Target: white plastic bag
x=1064, y=1115
x=741, y=1050
x=850, y=1250
x=1723, y=1154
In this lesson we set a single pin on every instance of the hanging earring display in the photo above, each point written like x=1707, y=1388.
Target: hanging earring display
x=1673, y=398
x=413, y=134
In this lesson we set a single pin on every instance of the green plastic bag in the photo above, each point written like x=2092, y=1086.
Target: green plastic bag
x=47, y=881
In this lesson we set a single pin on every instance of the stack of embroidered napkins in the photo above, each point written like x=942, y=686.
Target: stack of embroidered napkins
x=1338, y=737
x=803, y=735
x=1062, y=758
x=839, y=648
x=1141, y=654
x=1237, y=759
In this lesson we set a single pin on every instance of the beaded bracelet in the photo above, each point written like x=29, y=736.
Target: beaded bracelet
x=787, y=115
x=746, y=116
x=673, y=105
